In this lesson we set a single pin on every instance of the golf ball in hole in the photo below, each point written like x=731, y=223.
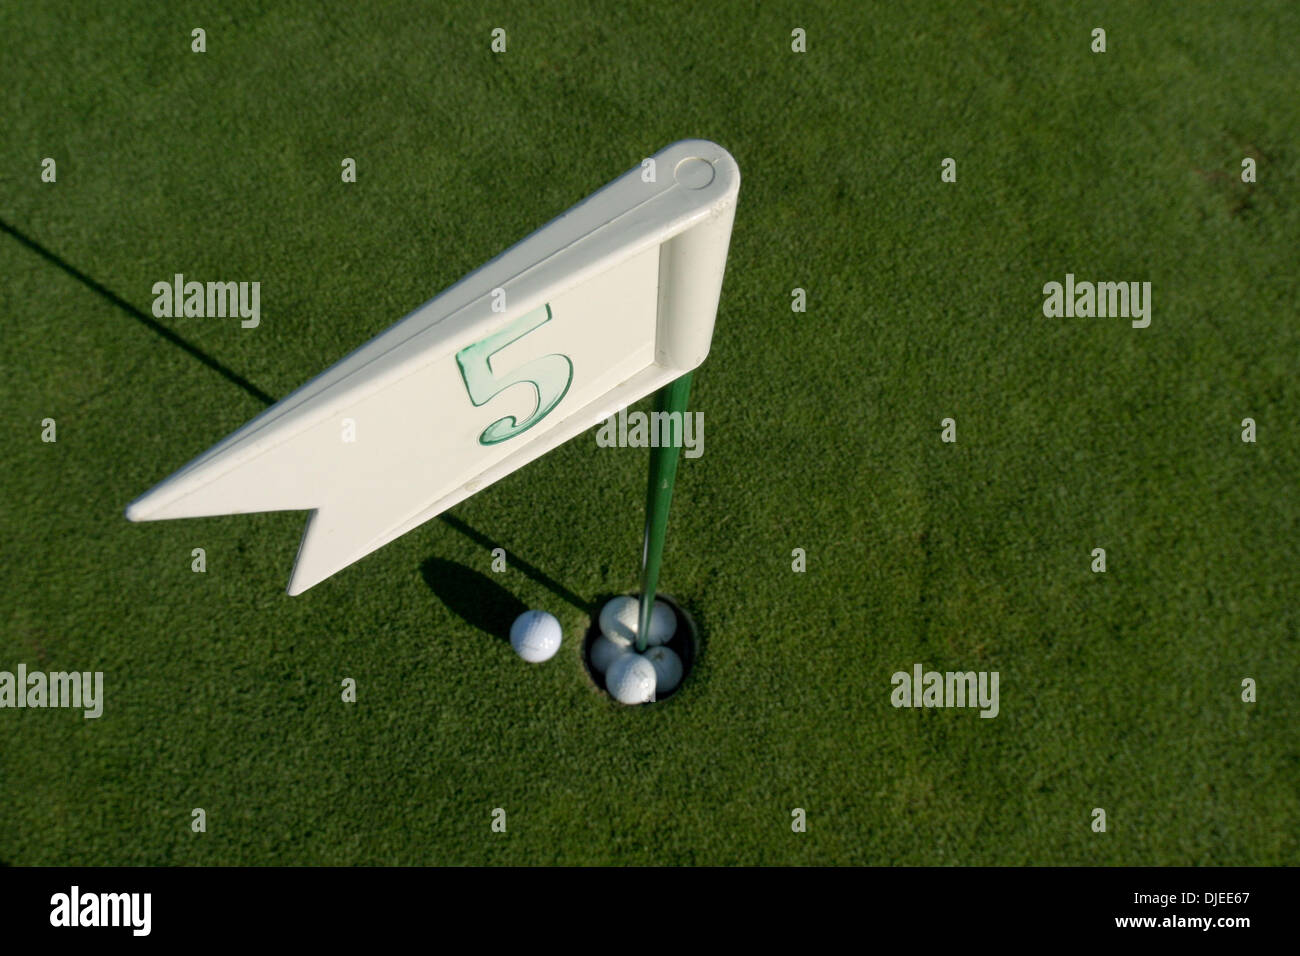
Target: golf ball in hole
x=604, y=651
x=631, y=679
x=620, y=616
x=535, y=636
x=668, y=668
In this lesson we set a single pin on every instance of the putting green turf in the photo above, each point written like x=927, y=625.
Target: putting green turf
x=1118, y=690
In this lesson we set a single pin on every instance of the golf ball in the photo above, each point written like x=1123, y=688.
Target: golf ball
x=604, y=651
x=620, y=616
x=631, y=679
x=535, y=636
x=668, y=668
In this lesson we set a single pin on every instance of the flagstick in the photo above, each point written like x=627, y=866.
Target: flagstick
x=659, y=495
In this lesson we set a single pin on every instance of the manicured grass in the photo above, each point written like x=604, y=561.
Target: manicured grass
x=1118, y=690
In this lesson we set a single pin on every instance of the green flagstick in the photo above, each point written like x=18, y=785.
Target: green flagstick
x=659, y=495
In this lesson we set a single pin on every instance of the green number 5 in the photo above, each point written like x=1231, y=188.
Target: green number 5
x=550, y=375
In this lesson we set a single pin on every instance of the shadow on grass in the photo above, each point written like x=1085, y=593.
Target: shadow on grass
x=148, y=321
x=265, y=398
x=473, y=596
x=518, y=563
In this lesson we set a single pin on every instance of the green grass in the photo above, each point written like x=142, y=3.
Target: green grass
x=1119, y=690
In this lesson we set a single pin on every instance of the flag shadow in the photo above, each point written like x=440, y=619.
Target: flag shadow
x=148, y=321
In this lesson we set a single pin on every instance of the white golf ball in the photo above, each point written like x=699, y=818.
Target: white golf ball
x=631, y=679
x=535, y=636
x=604, y=651
x=621, y=615
x=668, y=668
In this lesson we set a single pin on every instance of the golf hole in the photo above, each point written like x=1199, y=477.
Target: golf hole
x=684, y=642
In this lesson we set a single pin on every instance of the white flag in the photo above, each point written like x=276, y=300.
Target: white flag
x=600, y=307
